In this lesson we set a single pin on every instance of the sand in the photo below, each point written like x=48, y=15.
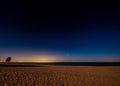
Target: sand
x=60, y=76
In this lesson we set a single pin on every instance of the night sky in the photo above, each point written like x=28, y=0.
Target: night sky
x=59, y=32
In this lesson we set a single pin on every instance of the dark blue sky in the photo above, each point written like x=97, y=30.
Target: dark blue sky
x=70, y=30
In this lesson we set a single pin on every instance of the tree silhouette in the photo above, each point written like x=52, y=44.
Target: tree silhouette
x=8, y=59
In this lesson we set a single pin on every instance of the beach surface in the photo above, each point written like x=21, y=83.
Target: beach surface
x=50, y=75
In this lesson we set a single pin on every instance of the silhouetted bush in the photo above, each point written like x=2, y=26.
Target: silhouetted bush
x=8, y=59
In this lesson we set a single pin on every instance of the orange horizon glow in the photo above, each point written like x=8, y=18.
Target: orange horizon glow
x=34, y=60
x=37, y=59
x=58, y=58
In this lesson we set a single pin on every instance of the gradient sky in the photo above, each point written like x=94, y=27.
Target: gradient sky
x=59, y=32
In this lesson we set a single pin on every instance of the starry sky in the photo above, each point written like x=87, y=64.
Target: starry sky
x=57, y=31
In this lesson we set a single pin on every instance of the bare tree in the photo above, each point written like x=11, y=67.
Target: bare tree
x=8, y=59
x=0, y=60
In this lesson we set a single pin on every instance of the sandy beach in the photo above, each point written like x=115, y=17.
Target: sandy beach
x=48, y=75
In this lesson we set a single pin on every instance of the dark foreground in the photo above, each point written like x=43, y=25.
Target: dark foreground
x=53, y=75
x=24, y=64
